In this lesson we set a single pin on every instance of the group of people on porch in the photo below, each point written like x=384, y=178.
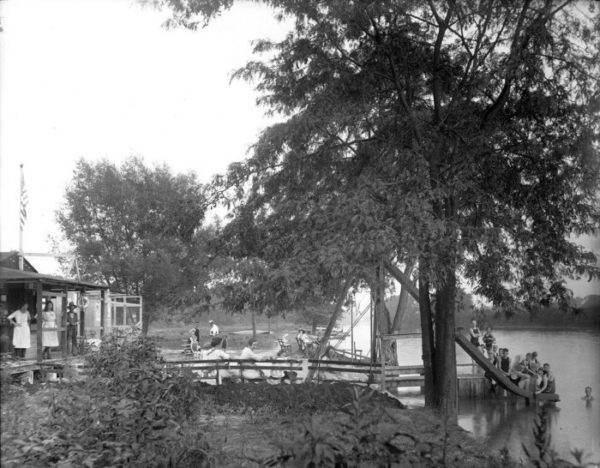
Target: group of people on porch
x=16, y=330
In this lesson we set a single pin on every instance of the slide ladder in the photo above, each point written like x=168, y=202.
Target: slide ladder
x=497, y=374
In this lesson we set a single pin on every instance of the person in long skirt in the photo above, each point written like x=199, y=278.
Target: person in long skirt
x=21, y=335
x=50, y=337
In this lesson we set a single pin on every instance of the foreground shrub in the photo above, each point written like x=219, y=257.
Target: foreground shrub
x=366, y=434
x=130, y=412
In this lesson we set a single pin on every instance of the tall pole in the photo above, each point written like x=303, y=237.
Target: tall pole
x=373, y=328
x=22, y=216
x=352, y=327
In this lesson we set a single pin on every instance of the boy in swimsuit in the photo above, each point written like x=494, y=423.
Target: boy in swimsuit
x=518, y=375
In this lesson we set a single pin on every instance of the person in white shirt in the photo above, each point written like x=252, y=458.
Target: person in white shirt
x=300, y=341
x=215, y=352
x=214, y=329
x=248, y=353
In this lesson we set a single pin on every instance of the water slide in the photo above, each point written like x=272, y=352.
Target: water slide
x=497, y=374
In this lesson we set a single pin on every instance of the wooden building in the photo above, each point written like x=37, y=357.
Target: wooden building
x=35, y=289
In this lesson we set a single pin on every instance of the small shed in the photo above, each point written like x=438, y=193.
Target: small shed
x=35, y=289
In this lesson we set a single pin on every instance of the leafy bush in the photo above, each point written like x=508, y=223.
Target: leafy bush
x=130, y=412
x=368, y=435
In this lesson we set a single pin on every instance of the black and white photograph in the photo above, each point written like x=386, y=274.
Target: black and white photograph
x=300, y=233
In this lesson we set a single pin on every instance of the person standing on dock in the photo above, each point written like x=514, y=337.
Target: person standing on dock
x=213, y=328
x=50, y=337
x=21, y=335
x=475, y=334
x=300, y=341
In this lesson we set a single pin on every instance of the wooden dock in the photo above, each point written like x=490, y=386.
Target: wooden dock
x=390, y=378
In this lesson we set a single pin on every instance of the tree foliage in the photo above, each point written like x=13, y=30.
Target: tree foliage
x=137, y=229
x=463, y=135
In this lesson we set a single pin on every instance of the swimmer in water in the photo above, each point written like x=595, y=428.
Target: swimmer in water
x=588, y=394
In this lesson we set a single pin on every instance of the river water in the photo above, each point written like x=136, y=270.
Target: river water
x=574, y=356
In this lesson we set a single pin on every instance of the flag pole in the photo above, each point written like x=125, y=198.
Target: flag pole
x=21, y=220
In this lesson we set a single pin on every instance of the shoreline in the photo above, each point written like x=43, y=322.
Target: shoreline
x=550, y=327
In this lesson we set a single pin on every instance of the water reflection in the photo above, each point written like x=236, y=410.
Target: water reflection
x=506, y=423
x=574, y=357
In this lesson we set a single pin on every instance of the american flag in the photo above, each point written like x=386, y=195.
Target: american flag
x=24, y=200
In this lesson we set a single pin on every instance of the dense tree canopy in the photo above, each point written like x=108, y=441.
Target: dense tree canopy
x=137, y=229
x=460, y=135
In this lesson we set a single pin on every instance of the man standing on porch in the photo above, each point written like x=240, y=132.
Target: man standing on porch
x=72, y=322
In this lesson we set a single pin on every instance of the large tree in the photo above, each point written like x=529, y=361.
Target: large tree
x=137, y=229
x=460, y=135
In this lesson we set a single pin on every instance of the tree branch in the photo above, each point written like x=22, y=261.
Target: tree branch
x=336, y=312
x=437, y=53
x=517, y=46
x=402, y=278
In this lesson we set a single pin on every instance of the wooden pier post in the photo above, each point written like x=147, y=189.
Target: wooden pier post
x=63, y=323
x=472, y=386
x=38, y=312
x=102, y=312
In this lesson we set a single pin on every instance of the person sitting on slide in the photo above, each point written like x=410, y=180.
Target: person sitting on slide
x=548, y=383
x=505, y=361
x=495, y=356
x=534, y=363
x=518, y=375
x=488, y=340
x=527, y=365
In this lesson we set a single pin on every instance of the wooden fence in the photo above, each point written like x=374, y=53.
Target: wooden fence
x=216, y=369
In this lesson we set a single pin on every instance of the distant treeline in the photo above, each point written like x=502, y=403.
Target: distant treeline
x=582, y=313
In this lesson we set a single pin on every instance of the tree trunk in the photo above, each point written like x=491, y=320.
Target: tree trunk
x=253, y=325
x=148, y=317
x=336, y=312
x=427, y=342
x=402, y=302
x=388, y=352
x=445, y=351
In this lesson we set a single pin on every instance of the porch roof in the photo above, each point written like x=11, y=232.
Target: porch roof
x=49, y=283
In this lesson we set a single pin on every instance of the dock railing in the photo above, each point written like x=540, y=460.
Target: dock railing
x=216, y=369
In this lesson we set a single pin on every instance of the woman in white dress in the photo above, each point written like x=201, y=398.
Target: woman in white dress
x=49, y=338
x=20, y=320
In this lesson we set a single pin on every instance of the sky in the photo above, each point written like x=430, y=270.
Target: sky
x=103, y=79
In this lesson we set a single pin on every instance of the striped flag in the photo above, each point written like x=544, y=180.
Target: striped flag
x=24, y=200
